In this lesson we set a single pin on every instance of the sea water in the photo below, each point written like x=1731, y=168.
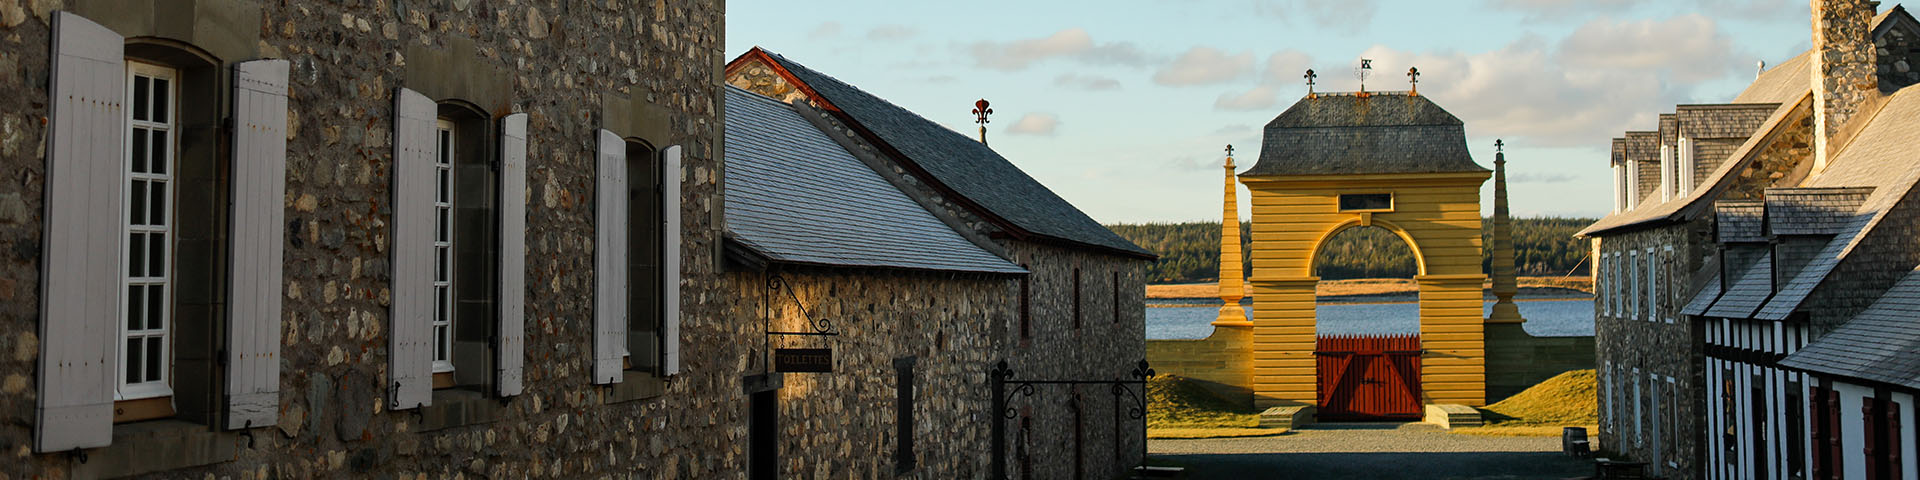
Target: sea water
x=1545, y=318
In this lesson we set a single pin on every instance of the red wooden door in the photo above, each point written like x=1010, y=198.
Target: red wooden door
x=1368, y=378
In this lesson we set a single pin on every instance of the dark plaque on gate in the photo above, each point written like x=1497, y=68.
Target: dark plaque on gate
x=816, y=360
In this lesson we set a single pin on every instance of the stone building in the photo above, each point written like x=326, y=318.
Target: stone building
x=818, y=242
x=1732, y=236
x=1078, y=314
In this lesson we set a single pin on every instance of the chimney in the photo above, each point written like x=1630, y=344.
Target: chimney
x=1843, y=68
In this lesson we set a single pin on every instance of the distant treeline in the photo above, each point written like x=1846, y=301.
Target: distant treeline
x=1190, y=252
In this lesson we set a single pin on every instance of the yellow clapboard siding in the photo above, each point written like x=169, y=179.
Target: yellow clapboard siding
x=1449, y=369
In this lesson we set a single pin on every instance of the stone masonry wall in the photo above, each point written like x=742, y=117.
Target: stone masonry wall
x=1844, y=58
x=348, y=56
x=1655, y=347
x=1105, y=347
x=842, y=424
x=1898, y=54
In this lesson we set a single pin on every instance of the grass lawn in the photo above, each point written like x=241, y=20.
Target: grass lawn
x=1179, y=409
x=1566, y=400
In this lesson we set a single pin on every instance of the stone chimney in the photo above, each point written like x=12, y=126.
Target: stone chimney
x=1843, y=73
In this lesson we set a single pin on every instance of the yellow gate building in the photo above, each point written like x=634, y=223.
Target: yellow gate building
x=1393, y=160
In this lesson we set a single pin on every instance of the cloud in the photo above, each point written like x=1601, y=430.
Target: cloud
x=1690, y=46
x=824, y=31
x=1348, y=15
x=1086, y=82
x=1037, y=123
x=891, y=33
x=1286, y=67
x=1259, y=98
x=1072, y=43
x=1204, y=66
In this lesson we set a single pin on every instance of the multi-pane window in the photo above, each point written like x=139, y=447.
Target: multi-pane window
x=1633, y=286
x=144, y=358
x=1653, y=285
x=443, y=249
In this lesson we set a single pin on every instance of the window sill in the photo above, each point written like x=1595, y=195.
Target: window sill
x=455, y=407
x=634, y=386
x=156, y=446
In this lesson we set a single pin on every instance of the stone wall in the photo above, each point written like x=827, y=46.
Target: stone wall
x=842, y=424
x=564, y=59
x=1654, y=346
x=1897, y=52
x=1843, y=58
x=1517, y=360
x=1106, y=346
x=1222, y=363
x=1781, y=163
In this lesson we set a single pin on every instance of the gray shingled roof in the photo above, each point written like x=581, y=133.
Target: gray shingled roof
x=1880, y=344
x=795, y=196
x=964, y=165
x=1334, y=134
x=1740, y=220
x=1880, y=156
x=1703, y=300
x=1812, y=211
x=1747, y=293
x=1698, y=201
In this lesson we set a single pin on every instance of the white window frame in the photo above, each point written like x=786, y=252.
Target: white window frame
x=1673, y=424
x=443, y=238
x=1666, y=173
x=1619, y=188
x=1633, y=284
x=161, y=384
x=1667, y=254
x=1653, y=285
x=1633, y=184
x=1685, y=167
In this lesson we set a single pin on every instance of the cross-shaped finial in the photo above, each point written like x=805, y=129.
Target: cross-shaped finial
x=1413, y=76
x=1310, y=76
x=1229, y=150
x=1499, y=145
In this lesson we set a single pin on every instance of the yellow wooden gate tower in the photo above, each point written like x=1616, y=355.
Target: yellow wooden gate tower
x=1386, y=159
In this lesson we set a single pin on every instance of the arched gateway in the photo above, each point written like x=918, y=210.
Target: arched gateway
x=1388, y=159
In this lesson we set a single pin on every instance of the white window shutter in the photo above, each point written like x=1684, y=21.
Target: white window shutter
x=259, y=211
x=410, y=340
x=670, y=258
x=85, y=238
x=610, y=260
x=513, y=254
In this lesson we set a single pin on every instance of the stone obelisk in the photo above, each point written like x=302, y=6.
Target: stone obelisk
x=1232, y=279
x=1505, y=285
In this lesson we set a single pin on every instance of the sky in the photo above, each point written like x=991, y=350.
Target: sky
x=1125, y=107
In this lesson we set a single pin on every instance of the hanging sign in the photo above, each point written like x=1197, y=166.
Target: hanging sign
x=814, y=360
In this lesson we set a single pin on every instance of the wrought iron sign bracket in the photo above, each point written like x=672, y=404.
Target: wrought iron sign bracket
x=1004, y=389
x=822, y=327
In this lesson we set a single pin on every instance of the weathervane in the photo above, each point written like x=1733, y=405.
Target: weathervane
x=1310, y=76
x=1365, y=70
x=980, y=112
x=1413, y=77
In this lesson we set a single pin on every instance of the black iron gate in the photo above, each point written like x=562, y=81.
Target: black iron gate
x=1135, y=404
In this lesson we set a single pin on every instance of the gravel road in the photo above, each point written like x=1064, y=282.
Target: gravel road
x=1372, y=451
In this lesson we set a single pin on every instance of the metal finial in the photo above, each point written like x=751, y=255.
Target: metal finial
x=1229, y=150
x=1499, y=145
x=1310, y=76
x=1365, y=70
x=1413, y=77
x=980, y=112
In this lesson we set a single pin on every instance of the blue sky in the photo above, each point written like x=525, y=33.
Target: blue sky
x=1124, y=106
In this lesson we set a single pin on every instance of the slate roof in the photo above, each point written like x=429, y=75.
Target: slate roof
x=795, y=196
x=1740, y=221
x=1881, y=156
x=1704, y=299
x=1782, y=83
x=1342, y=133
x=1698, y=201
x=1812, y=211
x=1748, y=293
x=1881, y=344
x=962, y=164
